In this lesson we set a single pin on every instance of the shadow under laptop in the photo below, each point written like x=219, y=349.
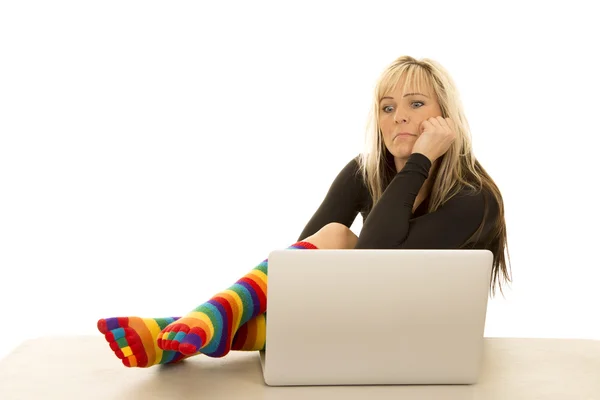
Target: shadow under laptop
x=379, y=392
x=239, y=376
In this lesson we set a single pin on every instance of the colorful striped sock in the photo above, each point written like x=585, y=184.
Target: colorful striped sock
x=211, y=327
x=252, y=335
x=133, y=340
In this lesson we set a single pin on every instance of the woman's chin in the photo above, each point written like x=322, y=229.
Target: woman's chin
x=402, y=151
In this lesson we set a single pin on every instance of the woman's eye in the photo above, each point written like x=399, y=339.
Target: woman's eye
x=388, y=109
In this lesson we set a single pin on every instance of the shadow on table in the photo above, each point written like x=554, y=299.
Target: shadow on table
x=203, y=378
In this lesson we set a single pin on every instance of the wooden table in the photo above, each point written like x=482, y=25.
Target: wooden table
x=77, y=367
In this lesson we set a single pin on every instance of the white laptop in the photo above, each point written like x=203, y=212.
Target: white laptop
x=368, y=317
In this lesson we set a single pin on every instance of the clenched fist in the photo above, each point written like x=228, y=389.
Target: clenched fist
x=437, y=134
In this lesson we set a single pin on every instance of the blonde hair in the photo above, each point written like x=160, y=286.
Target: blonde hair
x=456, y=169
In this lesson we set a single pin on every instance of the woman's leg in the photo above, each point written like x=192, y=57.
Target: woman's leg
x=333, y=236
x=211, y=326
x=135, y=340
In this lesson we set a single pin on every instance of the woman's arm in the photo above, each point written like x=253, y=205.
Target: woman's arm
x=389, y=225
x=342, y=203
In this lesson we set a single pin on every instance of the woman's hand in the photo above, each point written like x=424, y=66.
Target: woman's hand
x=437, y=134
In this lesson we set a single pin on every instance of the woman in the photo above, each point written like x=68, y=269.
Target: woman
x=417, y=185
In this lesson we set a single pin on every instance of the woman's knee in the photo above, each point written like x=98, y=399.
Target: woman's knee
x=335, y=229
x=334, y=236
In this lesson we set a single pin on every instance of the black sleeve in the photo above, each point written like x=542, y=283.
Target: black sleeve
x=342, y=203
x=389, y=225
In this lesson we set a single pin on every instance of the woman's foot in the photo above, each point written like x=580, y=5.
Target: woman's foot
x=125, y=336
x=134, y=340
x=212, y=326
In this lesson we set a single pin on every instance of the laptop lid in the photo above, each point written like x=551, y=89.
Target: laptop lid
x=343, y=317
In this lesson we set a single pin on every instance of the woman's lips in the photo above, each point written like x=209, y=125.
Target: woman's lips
x=404, y=135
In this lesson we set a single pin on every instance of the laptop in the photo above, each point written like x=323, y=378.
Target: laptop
x=375, y=317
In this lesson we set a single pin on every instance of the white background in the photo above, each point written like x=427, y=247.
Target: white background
x=151, y=153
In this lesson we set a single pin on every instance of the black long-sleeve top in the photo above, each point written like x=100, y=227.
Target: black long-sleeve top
x=391, y=224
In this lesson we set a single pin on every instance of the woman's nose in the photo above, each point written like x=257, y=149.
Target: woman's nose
x=400, y=117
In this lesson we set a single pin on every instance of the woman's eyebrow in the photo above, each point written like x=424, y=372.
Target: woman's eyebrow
x=406, y=95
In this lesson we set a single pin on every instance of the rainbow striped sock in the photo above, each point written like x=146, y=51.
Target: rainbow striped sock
x=211, y=327
x=134, y=339
x=252, y=335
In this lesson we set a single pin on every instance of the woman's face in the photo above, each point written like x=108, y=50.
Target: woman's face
x=401, y=113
